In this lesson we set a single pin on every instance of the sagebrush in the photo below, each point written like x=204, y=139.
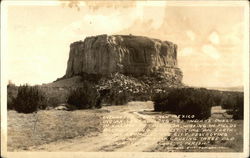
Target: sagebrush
x=184, y=101
x=238, y=108
x=85, y=97
x=29, y=99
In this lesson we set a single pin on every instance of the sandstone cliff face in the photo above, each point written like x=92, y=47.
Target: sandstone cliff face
x=126, y=54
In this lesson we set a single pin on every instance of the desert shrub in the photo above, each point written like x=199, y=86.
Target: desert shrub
x=85, y=97
x=142, y=96
x=55, y=95
x=115, y=97
x=11, y=95
x=216, y=100
x=234, y=103
x=228, y=101
x=53, y=101
x=216, y=97
x=10, y=102
x=160, y=101
x=185, y=101
x=29, y=99
x=238, y=108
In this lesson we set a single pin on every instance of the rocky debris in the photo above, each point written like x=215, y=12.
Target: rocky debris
x=137, y=88
x=122, y=83
x=61, y=107
x=65, y=106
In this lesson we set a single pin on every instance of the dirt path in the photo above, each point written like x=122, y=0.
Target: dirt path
x=136, y=132
x=149, y=141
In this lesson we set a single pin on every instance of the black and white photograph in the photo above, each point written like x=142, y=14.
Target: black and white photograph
x=87, y=78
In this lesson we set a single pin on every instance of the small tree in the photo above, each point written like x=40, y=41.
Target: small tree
x=10, y=101
x=11, y=94
x=238, y=109
x=228, y=101
x=185, y=101
x=85, y=97
x=29, y=99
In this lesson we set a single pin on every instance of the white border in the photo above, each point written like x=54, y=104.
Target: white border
x=3, y=80
x=4, y=152
x=246, y=82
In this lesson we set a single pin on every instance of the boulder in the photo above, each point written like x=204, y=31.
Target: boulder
x=62, y=107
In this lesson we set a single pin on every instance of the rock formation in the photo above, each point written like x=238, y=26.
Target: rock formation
x=125, y=54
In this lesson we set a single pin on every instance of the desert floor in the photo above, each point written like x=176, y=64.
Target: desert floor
x=133, y=127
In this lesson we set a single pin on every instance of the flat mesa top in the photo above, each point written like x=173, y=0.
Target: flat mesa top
x=122, y=38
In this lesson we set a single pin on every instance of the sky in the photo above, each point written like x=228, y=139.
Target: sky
x=210, y=39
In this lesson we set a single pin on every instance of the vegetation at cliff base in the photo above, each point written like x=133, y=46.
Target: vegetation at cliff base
x=119, y=89
x=198, y=102
x=184, y=101
x=29, y=99
x=85, y=97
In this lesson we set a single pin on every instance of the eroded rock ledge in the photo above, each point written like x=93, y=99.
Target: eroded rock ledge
x=125, y=54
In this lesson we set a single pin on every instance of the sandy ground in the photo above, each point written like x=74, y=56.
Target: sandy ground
x=128, y=128
x=138, y=131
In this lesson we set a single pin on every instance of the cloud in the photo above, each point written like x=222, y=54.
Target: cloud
x=113, y=20
x=234, y=36
x=93, y=24
x=211, y=51
x=148, y=11
x=186, y=51
x=191, y=35
x=232, y=39
x=214, y=38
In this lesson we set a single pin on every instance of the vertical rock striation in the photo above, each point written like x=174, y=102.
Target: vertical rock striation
x=126, y=54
